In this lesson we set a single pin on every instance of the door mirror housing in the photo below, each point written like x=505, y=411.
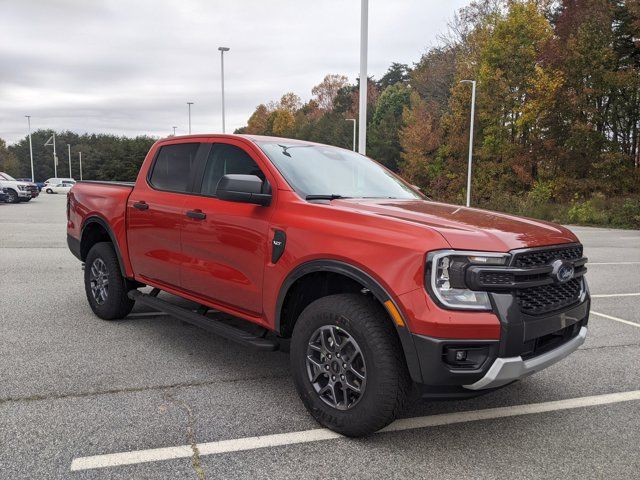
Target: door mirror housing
x=243, y=189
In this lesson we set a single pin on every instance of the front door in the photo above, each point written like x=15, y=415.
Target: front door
x=225, y=244
x=155, y=213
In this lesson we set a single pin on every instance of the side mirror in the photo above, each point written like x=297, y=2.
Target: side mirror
x=243, y=189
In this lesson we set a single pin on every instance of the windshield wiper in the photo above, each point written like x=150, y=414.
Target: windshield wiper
x=333, y=196
x=285, y=148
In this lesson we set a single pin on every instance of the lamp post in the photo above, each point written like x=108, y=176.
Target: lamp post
x=174, y=131
x=30, y=147
x=354, y=131
x=222, y=50
x=189, y=106
x=473, y=109
x=80, y=160
x=52, y=141
x=69, y=150
x=364, y=23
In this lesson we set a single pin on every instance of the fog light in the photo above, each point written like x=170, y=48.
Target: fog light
x=465, y=357
x=461, y=355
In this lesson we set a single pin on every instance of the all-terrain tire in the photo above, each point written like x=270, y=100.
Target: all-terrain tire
x=387, y=379
x=115, y=304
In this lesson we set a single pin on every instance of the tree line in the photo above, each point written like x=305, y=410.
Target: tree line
x=557, y=125
x=557, y=111
x=104, y=157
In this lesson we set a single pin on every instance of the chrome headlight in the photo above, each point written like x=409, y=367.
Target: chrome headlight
x=445, y=278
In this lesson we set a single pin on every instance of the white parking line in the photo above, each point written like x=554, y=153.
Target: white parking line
x=613, y=263
x=266, y=441
x=627, y=322
x=609, y=295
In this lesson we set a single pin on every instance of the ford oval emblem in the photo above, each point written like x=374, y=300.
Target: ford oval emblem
x=562, y=271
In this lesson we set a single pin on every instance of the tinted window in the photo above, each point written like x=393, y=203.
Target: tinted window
x=173, y=167
x=226, y=159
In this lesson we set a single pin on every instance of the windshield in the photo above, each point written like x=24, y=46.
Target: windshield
x=6, y=176
x=322, y=170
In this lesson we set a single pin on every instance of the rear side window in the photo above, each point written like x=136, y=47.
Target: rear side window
x=223, y=160
x=173, y=167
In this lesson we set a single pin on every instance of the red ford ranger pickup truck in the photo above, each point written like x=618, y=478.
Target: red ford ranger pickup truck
x=372, y=288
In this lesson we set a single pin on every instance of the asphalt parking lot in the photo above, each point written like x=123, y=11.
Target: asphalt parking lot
x=172, y=401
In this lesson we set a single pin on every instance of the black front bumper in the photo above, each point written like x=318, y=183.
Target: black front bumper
x=521, y=335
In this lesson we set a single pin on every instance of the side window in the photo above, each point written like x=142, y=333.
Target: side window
x=226, y=159
x=173, y=166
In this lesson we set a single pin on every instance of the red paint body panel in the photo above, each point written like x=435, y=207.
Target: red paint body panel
x=224, y=261
x=224, y=255
x=107, y=202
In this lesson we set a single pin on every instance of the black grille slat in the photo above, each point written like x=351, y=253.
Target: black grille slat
x=536, y=258
x=491, y=278
x=548, y=298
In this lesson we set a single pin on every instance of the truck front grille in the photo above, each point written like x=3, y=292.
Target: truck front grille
x=549, y=298
x=536, y=258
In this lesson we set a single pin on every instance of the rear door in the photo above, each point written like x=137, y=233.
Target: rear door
x=155, y=213
x=225, y=244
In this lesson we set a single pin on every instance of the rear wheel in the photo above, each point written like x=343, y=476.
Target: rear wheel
x=104, y=285
x=348, y=365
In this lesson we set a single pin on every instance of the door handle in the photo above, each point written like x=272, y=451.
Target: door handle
x=141, y=205
x=196, y=214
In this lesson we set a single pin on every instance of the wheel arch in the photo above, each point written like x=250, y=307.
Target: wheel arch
x=284, y=325
x=333, y=266
x=96, y=229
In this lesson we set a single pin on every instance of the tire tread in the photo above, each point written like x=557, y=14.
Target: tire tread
x=394, y=383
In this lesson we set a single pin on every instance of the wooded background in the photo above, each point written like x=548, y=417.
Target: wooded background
x=557, y=114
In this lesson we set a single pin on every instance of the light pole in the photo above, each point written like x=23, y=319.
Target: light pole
x=30, y=147
x=222, y=50
x=80, y=159
x=473, y=109
x=354, y=131
x=52, y=141
x=364, y=25
x=174, y=131
x=189, y=106
x=69, y=150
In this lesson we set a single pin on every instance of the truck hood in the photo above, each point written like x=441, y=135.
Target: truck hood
x=15, y=183
x=467, y=228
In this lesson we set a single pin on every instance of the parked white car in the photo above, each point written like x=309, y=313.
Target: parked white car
x=56, y=181
x=17, y=191
x=62, y=187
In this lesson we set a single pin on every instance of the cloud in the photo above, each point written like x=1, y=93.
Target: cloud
x=130, y=67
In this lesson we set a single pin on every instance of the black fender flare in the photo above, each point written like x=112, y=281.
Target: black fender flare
x=103, y=223
x=370, y=283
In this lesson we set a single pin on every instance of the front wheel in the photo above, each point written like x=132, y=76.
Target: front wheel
x=48, y=190
x=12, y=196
x=104, y=285
x=347, y=364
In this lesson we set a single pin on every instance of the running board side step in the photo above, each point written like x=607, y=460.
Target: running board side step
x=215, y=326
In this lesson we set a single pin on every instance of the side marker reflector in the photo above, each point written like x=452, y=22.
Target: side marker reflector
x=393, y=311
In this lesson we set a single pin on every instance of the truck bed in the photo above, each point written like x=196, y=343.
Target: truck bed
x=105, y=201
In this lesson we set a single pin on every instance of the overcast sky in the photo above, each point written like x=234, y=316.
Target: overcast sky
x=129, y=67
